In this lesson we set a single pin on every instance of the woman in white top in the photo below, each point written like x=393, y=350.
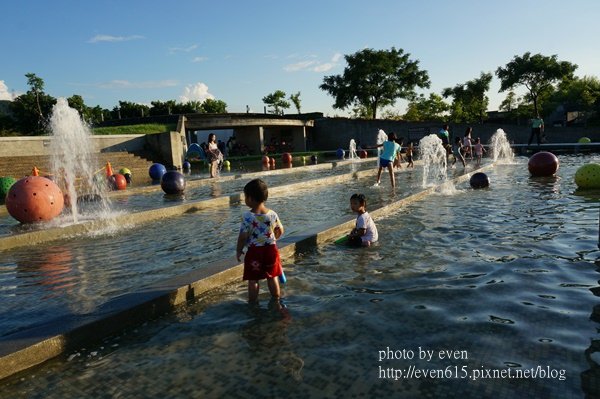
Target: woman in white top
x=213, y=154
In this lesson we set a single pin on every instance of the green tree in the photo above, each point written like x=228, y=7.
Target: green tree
x=469, y=102
x=277, y=101
x=30, y=110
x=362, y=112
x=295, y=99
x=374, y=79
x=162, y=107
x=127, y=109
x=577, y=95
x=36, y=86
x=510, y=102
x=421, y=108
x=212, y=106
x=537, y=73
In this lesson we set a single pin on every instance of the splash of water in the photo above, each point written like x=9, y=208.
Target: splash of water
x=434, y=157
x=73, y=159
x=381, y=138
x=501, y=149
x=352, y=149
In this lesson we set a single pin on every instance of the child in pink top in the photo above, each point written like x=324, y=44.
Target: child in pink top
x=478, y=150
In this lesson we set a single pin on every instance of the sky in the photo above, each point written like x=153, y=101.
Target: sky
x=241, y=51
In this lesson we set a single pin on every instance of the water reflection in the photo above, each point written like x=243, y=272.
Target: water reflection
x=50, y=269
x=266, y=335
x=590, y=378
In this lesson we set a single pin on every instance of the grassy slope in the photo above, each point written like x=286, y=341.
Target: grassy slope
x=135, y=129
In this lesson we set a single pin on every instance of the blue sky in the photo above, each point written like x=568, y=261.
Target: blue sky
x=240, y=51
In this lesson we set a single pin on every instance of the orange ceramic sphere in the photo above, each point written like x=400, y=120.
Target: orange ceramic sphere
x=34, y=199
x=265, y=160
x=286, y=158
x=362, y=153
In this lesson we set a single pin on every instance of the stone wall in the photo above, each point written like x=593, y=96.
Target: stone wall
x=39, y=145
x=332, y=133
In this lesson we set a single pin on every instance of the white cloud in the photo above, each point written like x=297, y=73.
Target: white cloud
x=195, y=92
x=299, y=66
x=314, y=66
x=110, y=38
x=125, y=84
x=183, y=49
x=336, y=57
x=199, y=59
x=5, y=94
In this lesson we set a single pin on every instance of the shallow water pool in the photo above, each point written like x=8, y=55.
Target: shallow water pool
x=478, y=283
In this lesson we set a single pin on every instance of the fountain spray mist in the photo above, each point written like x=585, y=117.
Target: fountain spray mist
x=435, y=161
x=352, y=149
x=74, y=158
x=501, y=149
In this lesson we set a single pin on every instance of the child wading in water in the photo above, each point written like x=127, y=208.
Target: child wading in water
x=386, y=160
x=409, y=155
x=260, y=229
x=365, y=232
x=457, y=152
x=478, y=150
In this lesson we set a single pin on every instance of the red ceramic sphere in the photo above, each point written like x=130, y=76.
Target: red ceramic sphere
x=362, y=153
x=265, y=160
x=286, y=158
x=543, y=163
x=119, y=182
x=34, y=199
x=272, y=161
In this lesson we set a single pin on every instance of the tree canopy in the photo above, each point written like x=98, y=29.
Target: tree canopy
x=374, y=79
x=30, y=110
x=276, y=101
x=469, y=100
x=295, y=99
x=538, y=73
x=432, y=108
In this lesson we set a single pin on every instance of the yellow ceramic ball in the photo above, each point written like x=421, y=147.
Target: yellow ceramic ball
x=588, y=176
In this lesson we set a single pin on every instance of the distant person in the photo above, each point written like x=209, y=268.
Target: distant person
x=230, y=145
x=364, y=232
x=399, y=158
x=479, y=150
x=467, y=144
x=537, y=129
x=457, y=152
x=444, y=135
x=409, y=155
x=213, y=154
x=222, y=147
x=259, y=231
x=386, y=159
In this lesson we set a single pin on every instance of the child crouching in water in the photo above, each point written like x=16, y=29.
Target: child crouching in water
x=260, y=230
x=365, y=232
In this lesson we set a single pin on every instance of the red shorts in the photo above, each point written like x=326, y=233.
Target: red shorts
x=262, y=262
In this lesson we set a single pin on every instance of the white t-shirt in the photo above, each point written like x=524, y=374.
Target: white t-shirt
x=365, y=221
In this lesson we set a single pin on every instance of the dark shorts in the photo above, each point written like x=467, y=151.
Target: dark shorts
x=262, y=262
x=384, y=162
